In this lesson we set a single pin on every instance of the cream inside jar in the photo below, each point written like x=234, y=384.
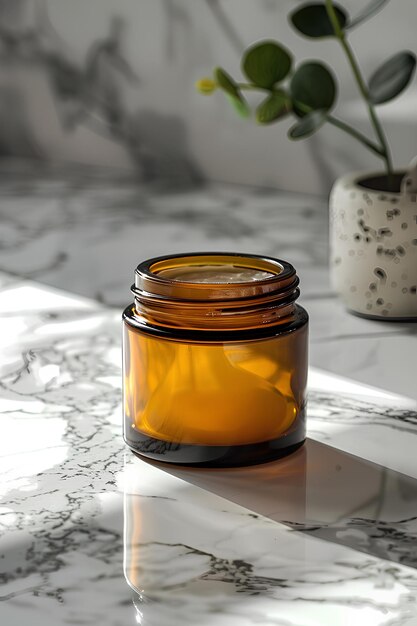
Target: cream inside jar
x=226, y=273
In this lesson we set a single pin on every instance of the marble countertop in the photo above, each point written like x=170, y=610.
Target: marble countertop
x=85, y=231
x=91, y=534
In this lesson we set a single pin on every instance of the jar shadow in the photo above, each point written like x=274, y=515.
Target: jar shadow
x=217, y=553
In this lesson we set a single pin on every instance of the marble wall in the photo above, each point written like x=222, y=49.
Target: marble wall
x=110, y=82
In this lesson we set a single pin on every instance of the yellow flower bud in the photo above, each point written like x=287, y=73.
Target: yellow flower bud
x=206, y=86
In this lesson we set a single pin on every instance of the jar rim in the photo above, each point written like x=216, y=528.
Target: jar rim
x=149, y=279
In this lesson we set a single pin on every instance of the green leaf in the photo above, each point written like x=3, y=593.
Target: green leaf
x=232, y=91
x=392, y=77
x=266, y=64
x=308, y=125
x=226, y=82
x=367, y=12
x=312, y=87
x=273, y=108
x=240, y=106
x=312, y=20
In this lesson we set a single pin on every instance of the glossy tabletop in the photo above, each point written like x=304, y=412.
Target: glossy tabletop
x=86, y=230
x=91, y=534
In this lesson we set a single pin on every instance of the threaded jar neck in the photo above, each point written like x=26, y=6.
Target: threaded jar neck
x=214, y=291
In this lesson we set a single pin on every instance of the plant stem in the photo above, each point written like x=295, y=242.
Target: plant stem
x=375, y=148
x=358, y=135
x=249, y=87
x=385, y=150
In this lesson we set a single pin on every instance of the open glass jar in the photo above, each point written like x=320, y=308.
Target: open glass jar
x=215, y=360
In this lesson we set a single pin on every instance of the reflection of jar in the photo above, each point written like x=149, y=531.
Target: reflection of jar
x=215, y=360
x=190, y=555
x=169, y=532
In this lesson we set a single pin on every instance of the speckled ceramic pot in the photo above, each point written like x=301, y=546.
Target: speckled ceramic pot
x=373, y=241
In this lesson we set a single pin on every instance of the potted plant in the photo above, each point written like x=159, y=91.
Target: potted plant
x=373, y=215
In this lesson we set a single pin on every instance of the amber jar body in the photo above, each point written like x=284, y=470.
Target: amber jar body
x=217, y=376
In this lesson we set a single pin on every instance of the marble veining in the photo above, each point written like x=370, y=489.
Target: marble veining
x=93, y=85
x=269, y=574
x=326, y=536
x=80, y=219
x=85, y=230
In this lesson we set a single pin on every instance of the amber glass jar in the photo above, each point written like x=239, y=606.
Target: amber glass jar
x=215, y=360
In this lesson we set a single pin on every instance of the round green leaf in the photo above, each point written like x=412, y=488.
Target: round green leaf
x=392, y=77
x=312, y=87
x=367, y=12
x=308, y=125
x=273, y=108
x=266, y=64
x=312, y=20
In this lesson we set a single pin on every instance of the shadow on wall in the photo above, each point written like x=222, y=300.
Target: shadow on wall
x=87, y=97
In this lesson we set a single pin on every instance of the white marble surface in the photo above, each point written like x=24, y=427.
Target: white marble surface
x=322, y=538
x=86, y=230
